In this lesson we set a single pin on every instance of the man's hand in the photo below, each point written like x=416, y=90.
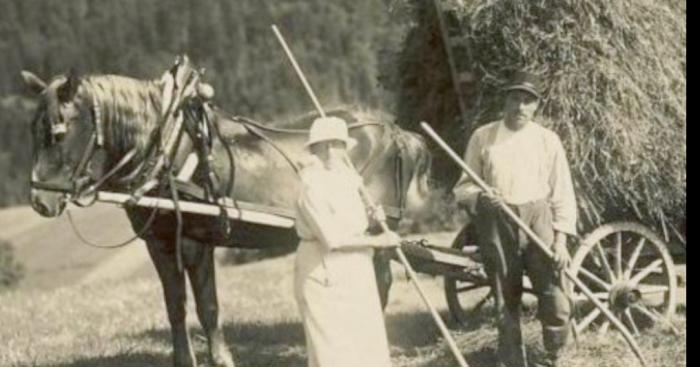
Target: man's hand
x=494, y=197
x=561, y=253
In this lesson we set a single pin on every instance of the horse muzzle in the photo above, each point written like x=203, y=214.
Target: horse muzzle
x=48, y=199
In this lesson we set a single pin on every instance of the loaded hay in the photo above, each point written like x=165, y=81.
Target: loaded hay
x=614, y=79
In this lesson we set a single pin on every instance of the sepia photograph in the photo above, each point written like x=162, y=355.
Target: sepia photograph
x=343, y=183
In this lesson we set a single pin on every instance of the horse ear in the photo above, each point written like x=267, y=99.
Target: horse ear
x=35, y=84
x=69, y=88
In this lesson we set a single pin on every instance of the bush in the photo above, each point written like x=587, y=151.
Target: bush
x=11, y=271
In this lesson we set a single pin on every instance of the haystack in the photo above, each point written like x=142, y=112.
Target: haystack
x=614, y=74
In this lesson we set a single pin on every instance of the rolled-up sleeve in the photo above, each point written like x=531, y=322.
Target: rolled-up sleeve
x=466, y=191
x=563, y=199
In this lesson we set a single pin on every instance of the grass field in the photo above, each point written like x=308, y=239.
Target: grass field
x=123, y=323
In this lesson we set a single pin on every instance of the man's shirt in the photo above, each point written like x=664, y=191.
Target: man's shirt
x=525, y=165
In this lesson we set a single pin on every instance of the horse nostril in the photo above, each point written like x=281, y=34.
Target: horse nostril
x=41, y=207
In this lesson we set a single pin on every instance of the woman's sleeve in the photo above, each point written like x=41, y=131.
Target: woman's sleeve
x=317, y=218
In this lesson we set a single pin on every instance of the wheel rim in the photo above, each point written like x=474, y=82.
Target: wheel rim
x=628, y=267
x=466, y=295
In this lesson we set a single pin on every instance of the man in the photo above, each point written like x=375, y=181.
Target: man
x=526, y=165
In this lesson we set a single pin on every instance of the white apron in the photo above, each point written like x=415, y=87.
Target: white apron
x=336, y=291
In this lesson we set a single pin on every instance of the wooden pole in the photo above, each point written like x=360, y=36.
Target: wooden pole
x=543, y=246
x=241, y=214
x=367, y=197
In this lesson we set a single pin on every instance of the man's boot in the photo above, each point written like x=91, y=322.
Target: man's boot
x=511, y=351
x=555, y=338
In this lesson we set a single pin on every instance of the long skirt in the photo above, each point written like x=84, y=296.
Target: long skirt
x=337, y=296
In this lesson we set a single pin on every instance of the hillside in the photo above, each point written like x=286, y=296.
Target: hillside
x=53, y=255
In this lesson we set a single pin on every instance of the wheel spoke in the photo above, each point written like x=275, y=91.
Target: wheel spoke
x=633, y=258
x=645, y=311
x=468, y=288
x=598, y=295
x=646, y=271
x=604, y=259
x=618, y=256
x=604, y=328
x=630, y=320
x=656, y=317
x=481, y=303
x=595, y=279
x=645, y=289
x=588, y=320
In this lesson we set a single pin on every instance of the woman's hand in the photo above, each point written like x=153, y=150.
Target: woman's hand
x=388, y=239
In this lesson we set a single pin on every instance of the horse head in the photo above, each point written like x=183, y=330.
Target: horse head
x=60, y=134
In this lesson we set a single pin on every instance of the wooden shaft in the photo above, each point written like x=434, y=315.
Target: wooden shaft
x=414, y=280
x=456, y=83
x=433, y=312
x=365, y=194
x=199, y=208
x=300, y=74
x=544, y=247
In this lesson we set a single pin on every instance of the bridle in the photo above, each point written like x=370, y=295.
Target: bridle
x=81, y=185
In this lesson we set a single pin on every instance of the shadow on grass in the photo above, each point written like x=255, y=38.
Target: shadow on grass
x=283, y=344
x=126, y=360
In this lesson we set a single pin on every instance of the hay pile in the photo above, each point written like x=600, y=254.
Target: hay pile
x=614, y=73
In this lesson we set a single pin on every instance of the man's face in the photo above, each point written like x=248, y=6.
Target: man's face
x=520, y=107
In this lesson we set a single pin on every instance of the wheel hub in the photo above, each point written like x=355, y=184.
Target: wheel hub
x=623, y=295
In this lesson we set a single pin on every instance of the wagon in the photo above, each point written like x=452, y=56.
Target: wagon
x=626, y=265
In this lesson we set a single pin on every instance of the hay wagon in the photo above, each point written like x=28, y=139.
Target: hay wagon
x=626, y=264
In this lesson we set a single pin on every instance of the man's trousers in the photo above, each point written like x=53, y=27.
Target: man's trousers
x=507, y=252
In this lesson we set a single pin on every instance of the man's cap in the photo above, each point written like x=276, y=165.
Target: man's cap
x=525, y=81
x=330, y=128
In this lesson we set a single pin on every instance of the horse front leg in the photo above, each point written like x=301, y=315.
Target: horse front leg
x=163, y=256
x=199, y=258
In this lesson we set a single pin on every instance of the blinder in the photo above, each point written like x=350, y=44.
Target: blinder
x=79, y=183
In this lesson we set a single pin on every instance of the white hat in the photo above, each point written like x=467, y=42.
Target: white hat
x=330, y=128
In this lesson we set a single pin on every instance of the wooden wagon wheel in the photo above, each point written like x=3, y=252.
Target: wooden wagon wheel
x=629, y=267
x=467, y=292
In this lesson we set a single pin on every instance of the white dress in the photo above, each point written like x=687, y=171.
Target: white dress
x=336, y=291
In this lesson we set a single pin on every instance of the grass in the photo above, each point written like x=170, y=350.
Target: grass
x=111, y=324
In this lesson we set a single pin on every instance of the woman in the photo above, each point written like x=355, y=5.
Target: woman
x=334, y=275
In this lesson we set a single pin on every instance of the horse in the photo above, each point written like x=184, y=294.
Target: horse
x=254, y=161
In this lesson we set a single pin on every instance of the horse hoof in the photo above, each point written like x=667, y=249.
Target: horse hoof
x=223, y=359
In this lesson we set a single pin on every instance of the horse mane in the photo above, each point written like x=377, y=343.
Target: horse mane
x=129, y=108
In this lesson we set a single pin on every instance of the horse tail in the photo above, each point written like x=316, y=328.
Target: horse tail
x=417, y=161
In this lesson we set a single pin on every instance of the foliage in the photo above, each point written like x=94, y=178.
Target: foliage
x=11, y=271
x=337, y=44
